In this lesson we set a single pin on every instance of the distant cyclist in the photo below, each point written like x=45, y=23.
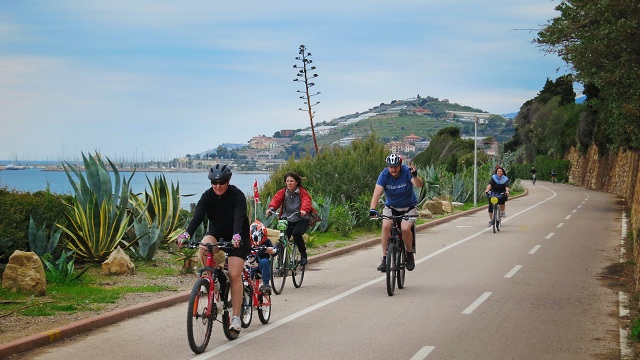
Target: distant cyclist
x=499, y=183
x=396, y=181
x=533, y=174
x=553, y=176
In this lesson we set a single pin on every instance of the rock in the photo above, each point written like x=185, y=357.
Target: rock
x=425, y=214
x=435, y=207
x=118, y=263
x=25, y=274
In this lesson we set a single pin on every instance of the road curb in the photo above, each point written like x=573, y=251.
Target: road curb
x=78, y=327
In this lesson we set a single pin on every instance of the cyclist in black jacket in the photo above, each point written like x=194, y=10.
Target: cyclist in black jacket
x=226, y=208
x=499, y=183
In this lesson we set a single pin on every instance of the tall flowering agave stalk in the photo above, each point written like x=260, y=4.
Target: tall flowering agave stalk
x=98, y=213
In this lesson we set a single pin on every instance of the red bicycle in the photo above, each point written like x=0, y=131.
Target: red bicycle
x=252, y=296
x=209, y=299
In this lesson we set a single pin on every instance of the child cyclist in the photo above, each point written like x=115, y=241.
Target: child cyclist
x=258, y=234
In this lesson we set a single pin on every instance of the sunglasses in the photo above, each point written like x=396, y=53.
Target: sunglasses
x=219, y=182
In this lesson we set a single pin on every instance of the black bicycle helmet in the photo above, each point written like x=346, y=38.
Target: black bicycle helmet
x=220, y=172
x=394, y=160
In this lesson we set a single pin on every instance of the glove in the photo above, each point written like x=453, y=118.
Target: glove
x=414, y=172
x=236, y=240
x=373, y=213
x=183, y=238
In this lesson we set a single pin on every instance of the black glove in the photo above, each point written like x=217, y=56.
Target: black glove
x=414, y=172
x=373, y=213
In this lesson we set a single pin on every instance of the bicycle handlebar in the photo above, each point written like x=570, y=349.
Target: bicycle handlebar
x=394, y=217
x=277, y=213
x=223, y=245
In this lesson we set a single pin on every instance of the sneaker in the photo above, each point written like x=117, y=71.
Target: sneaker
x=383, y=265
x=411, y=263
x=265, y=289
x=236, y=324
x=503, y=215
x=303, y=260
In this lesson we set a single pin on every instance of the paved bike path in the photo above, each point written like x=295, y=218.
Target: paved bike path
x=84, y=325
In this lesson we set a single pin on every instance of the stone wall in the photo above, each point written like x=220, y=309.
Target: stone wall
x=616, y=173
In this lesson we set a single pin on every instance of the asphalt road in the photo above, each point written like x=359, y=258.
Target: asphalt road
x=531, y=291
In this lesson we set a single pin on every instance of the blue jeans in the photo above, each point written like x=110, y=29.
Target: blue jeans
x=264, y=267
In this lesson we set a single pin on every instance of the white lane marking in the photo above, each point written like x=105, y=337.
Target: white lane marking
x=476, y=303
x=534, y=249
x=579, y=206
x=548, y=236
x=623, y=233
x=513, y=271
x=574, y=210
x=568, y=217
x=423, y=353
x=215, y=351
x=560, y=225
x=623, y=300
x=463, y=226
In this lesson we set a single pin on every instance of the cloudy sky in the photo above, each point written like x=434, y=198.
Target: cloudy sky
x=156, y=79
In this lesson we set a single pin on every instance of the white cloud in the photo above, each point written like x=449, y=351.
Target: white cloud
x=179, y=78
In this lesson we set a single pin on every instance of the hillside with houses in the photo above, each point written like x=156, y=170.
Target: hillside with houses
x=406, y=127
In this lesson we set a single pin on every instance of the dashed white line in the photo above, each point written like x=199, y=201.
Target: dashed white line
x=548, y=236
x=579, y=206
x=513, y=271
x=476, y=303
x=568, y=217
x=423, y=353
x=574, y=210
x=535, y=248
x=560, y=225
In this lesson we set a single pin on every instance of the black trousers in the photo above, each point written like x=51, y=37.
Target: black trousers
x=296, y=230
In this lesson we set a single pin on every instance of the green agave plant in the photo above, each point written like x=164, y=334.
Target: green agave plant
x=163, y=205
x=156, y=218
x=98, y=213
x=39, y=242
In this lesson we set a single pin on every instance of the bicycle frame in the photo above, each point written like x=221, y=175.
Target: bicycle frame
x=208, y=272
x=201, y=316
x=493, y=201
x=254, y=282
x=285, y=261
x=396, y=252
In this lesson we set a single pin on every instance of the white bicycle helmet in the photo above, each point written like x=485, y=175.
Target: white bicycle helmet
x=394, y=160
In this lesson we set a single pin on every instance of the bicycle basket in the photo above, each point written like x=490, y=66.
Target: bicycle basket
x=494, y=200
x=282, y=225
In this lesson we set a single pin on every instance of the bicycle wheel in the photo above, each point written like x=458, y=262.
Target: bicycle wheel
x=495, y=217
x=247, y=305
x=402, y=262
x=391, y=267
x=498, y=218
x=198, y=324
x=297, y=270
x=226, y=315
x=264, y=308
x=279, y=269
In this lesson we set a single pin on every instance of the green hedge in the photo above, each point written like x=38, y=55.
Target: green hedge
x=16, y=207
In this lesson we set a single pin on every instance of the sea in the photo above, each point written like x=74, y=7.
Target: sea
x=192, y=184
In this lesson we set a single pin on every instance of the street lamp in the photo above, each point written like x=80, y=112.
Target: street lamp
x=482, y=121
